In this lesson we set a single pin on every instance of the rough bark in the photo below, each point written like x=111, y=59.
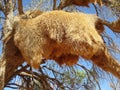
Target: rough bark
x=13, y=59
x=10, y=61
x=7, y=30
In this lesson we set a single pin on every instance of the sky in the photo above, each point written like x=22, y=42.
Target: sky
x=104, y=84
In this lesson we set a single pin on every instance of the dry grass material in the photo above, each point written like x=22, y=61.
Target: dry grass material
x=63, y=37
x=57, y=34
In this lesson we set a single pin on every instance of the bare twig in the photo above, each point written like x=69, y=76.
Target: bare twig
x=7, y=28
x=54, y=4
x=2, y=18
x=52, y=70
x=95, y=9
x=14, y=1
x=22, y=69
x=9, y=85
x=91, y=73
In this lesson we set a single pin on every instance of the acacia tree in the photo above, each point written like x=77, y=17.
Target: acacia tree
x=12, y=59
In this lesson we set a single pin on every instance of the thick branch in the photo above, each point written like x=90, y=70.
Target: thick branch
x=13, y=59
x=7, y=28
x=10, y=52
x=20, y=7
x=114, y=26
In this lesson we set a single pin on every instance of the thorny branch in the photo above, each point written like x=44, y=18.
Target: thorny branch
x=114, y=26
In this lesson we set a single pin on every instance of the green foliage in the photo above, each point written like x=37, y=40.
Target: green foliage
x=73, y=79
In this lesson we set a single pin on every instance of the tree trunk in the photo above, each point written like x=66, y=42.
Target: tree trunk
x=13, y=59
x=7, y=30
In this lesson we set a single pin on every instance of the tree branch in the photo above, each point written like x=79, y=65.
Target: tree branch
x=7, y=29
x=20, y=7
x=95, y=9
x=54, y=4
x=5, y=2
x=11, y=55
x=13, y=60
x=114, y=26
x=65, y=3
x=2, y=8
x=14, y=1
